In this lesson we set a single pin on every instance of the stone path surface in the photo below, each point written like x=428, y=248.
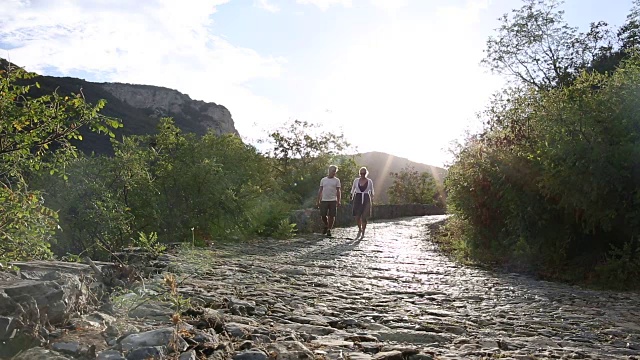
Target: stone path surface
x=394, y=296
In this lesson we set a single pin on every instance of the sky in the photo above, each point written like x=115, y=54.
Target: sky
x=397, y=76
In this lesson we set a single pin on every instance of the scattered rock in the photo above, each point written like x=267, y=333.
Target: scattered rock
x=147, y=353
x=421, y=357
x=332, y=343
x=189, y=355
x=388, y=355
x=311, y=329
x=251, y=355
x=289, y=350
x=39, y=353
x=390, y=297
x=70, y=348
x=152, y=311
x=361, y=338
x=160, y=337
x=238, y=330
x=110, y=355
x=7, y=327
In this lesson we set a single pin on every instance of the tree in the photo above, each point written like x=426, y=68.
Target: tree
x=629, y=32
x=301, y=154
x=35, y=135
x=538, y=48
x=412, y=187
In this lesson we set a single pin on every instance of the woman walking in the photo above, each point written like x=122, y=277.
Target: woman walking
x=362, y=197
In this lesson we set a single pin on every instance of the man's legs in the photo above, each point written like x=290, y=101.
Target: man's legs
x=332, y=215
x=324, y=208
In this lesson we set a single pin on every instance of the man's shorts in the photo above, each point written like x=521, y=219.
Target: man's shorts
x=329, y=207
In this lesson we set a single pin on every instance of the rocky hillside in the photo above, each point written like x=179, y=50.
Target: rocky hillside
x=380, y=166
x=139, y=107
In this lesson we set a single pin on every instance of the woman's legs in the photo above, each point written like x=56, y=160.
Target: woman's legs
x=359, y=222
x=364, y=217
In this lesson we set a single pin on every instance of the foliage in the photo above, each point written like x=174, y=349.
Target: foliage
x=171, y=185
x=149, y=243
x=301, y=155
x=285, y=230
x=535, y=46
x=35, y=136
x=621, y=268
x=552, y=180
x=554, y=176
x=412, y=187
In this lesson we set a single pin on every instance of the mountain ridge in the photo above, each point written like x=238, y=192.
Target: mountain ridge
x=138, y=106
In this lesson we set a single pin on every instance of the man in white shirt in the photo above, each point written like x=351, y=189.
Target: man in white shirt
x=329, y=197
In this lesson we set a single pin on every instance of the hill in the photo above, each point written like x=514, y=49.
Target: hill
x=380, y=166
x=138, y=106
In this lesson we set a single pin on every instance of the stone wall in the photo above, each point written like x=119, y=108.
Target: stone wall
x=308, y=220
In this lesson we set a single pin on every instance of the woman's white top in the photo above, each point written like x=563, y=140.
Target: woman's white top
x=355, y=189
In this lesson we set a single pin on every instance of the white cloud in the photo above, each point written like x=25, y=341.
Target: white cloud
x=266, y=5
x=390, y=5
x=325, y=4
x=159, y=42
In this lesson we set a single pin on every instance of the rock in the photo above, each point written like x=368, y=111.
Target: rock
x=48, y=296
x=98, y=320
x=374, y=326
x=416, y=337
x=147, y=353
x=388, y=355
x=189, y=355
x=242, y=308
x=69, y=348
x=165, y=102
x=53, y=299
x=361, y=338
x=238, y=330
x=457, y=330
x=152, y=311
x=292, y=271
x=370, y=348
x=289, y=350
x=8, y=306
x=260, y=311
x=19, y=342
x=421, y=357
x=201, y=337
x=406, y=351
x=39, y=353
x=120, y=329
x=332, y=343
x=311, y=329
x=359, y=356
x=110, y=355
x=153, y=338
x=251, y=355
x=7, y=327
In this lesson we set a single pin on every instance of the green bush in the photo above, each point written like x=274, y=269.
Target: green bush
x=35, y=137
x=553, y=180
